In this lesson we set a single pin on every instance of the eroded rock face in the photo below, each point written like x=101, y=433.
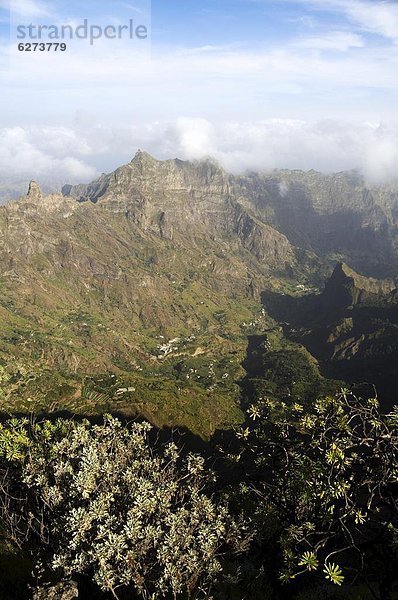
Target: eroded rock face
x=339, y=213
x=186, y=202
x=323, y=214
x=192, y=205
x=37, y=202
x=146, y=174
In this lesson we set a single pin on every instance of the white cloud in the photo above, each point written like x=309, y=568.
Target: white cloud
x=33, y=153
x=334, y=74
x=26, y=8
x=228, y=82
x=380, y=158
x=374, y=16
x=282, y=143
x=59, y=155
x=193, y=138
x=377, y=16
x=334, y=40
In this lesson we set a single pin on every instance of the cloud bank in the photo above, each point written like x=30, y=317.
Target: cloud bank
x=57, y=155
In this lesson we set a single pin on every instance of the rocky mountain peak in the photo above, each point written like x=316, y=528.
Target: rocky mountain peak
x=157, y=180
x=142, y=157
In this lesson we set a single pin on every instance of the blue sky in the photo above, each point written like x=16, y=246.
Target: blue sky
x=194, y=22
x=244, y=22
x=255, y=83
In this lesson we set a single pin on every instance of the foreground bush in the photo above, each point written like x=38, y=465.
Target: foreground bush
x=317, y=487
x=326, y=480
x=98, y=501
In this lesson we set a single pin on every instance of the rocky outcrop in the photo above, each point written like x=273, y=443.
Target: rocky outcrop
x=347, y=288
x=35, y=201
x=34, y=192
x=351, y=328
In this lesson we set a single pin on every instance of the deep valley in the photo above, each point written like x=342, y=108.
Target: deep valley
x=176, y=291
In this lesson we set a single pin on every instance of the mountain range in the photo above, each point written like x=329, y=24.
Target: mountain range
x=145, y=291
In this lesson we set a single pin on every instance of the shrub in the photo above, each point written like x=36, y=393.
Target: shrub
x=99, y=501
x=327, y=476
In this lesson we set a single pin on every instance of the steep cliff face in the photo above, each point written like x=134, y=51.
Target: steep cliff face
x=331, y=217
x=337, y=215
